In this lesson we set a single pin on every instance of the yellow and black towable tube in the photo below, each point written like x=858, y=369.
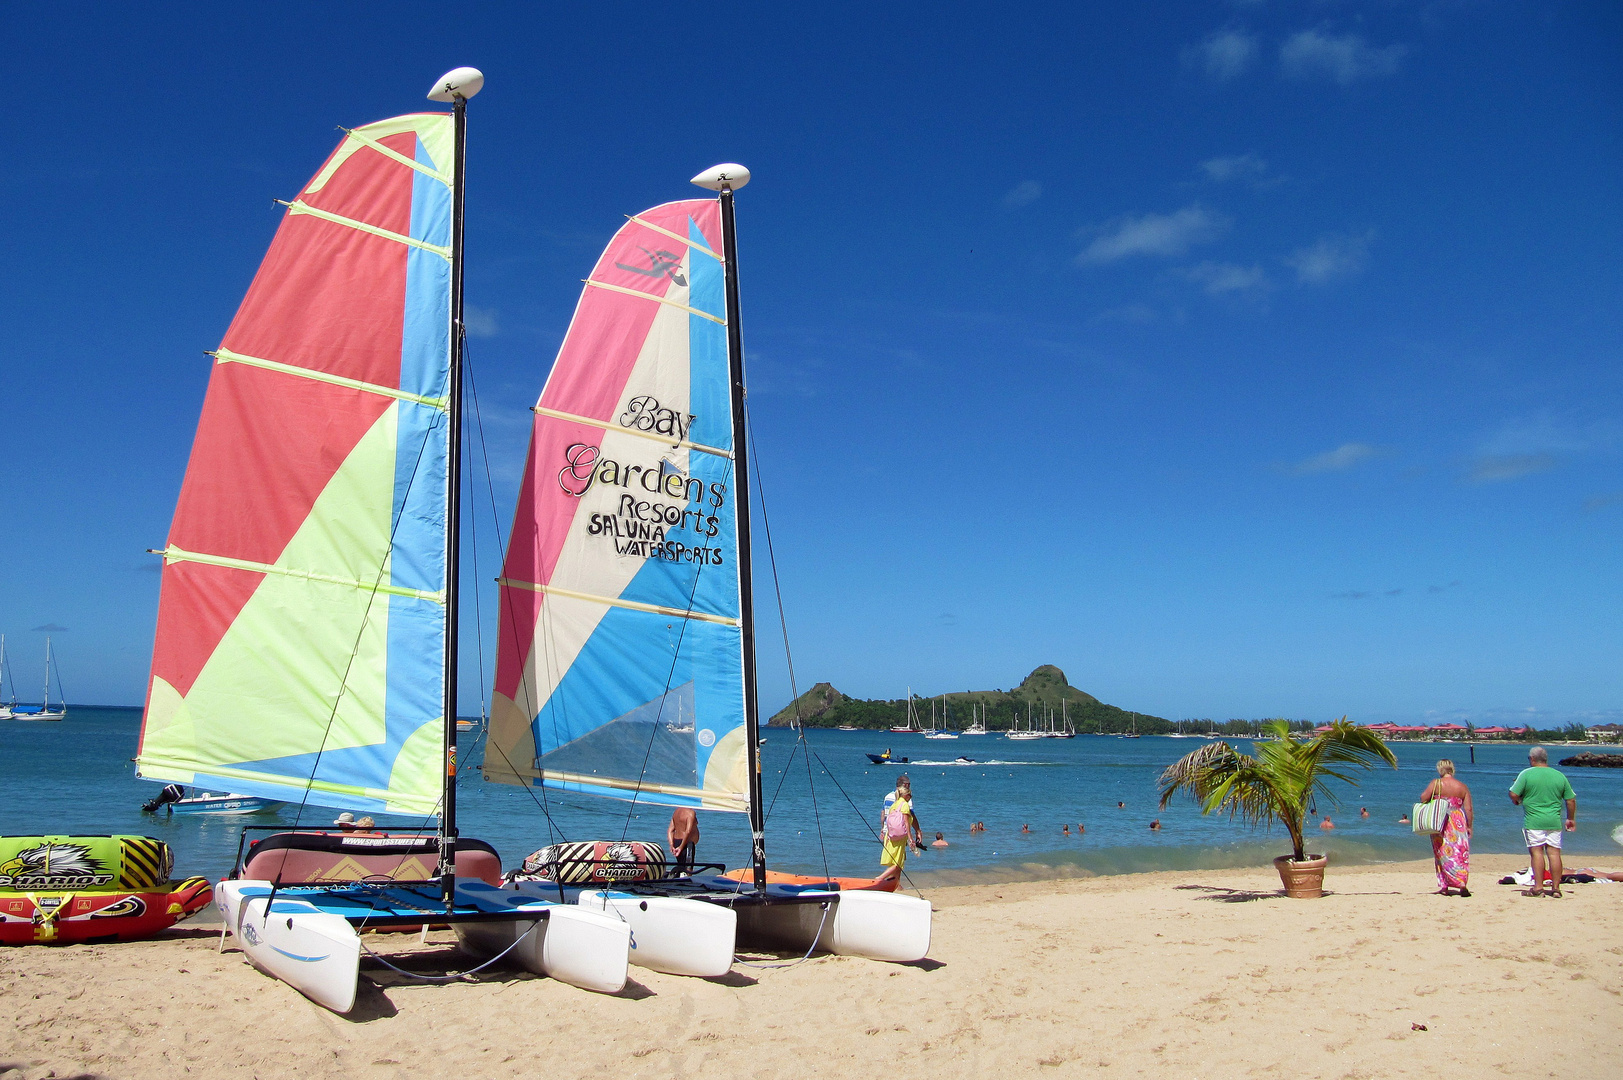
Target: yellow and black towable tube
x=62, y=890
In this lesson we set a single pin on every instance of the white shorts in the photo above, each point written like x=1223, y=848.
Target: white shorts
x=1543, y=838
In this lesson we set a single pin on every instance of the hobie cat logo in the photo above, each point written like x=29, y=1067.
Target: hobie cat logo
x=53, y=866
x=660, y=264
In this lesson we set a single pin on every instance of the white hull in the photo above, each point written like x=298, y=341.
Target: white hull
x=39, y=715
x=877, y=925
x=316, y=953
x=941, y=735
x=572, y=944
x=1023, y=735
x=669, y=934
x=223, y=804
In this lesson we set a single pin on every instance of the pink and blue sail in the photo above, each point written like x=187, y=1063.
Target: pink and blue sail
x=620, y=669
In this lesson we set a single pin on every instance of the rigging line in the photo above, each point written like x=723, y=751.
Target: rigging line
x=783, y=774
x=783, y=623
x=458, y=975
x=866, y=823
x=490, y=489
x=366, y=618
x=659, y=716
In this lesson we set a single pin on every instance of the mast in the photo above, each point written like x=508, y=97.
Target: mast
x=456, y=87
x=45, y=695
x=726, y=179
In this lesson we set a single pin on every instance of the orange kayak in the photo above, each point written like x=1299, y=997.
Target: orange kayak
x=778, y=877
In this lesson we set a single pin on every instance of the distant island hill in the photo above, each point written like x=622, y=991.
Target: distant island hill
x=1043, y=690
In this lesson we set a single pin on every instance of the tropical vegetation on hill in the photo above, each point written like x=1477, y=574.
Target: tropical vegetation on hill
x=1044, y=689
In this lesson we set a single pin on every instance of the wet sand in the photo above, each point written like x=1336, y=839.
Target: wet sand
x=1187, y=974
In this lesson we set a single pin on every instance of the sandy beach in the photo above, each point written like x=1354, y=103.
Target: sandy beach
x=1189, y=974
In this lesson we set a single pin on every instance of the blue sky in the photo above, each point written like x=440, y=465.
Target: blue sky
x=1241, y=359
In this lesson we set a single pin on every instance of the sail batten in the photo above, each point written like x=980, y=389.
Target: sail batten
x=226, y=356
x=299, y=206
x=301, y=623
x=620, y=669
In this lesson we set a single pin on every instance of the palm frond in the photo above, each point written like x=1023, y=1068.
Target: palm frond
x=1277, y=784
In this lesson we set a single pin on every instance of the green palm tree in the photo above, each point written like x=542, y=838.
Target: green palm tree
x=1277, y=784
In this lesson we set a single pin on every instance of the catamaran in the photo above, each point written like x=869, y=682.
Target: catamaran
x=627, y=590
x=306, y=647
x=43, y=711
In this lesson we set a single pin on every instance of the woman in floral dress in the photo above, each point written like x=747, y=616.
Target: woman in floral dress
x=1451, y=848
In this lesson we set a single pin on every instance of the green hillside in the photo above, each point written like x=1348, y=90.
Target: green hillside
x=1045, y=688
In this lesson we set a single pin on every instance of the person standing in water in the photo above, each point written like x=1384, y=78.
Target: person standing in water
x=898, y=830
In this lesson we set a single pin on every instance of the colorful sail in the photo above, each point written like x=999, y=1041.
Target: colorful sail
x=301, y=627
x=620, y=668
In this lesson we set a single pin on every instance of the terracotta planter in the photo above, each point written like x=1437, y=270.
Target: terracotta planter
x=1303, y=880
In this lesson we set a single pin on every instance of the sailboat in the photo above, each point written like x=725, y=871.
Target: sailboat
x=627, y=590
x=1028, y=732
x=44, y=710
x=5, y=673
x=912, y=727
x=306, y=647
x=945, y=731
x=977, y=722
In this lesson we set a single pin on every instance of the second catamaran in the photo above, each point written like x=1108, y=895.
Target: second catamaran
x=626, y=595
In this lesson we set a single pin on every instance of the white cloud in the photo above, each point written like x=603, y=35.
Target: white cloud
x=1234, y=167
x=1223, y=54
x=1493, y=468
x=1024, y=193
x=1329, y=258
x=1154, y=234
x=1342, y=457
x=481, y=322
x=1220, y=278
x=1537, y=443
x=1344, y=59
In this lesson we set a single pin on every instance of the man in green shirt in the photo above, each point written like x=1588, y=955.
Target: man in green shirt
x=1540, y=791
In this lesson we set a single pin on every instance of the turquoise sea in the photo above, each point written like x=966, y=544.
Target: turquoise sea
x=77, y=777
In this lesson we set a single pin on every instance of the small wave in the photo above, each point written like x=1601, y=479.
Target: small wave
x=969, y=763
x=1617, y=834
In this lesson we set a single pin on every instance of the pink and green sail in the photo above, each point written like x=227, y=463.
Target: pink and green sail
x=620, y=668
x=301, y=626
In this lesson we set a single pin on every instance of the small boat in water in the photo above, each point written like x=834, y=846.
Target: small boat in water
x=214, y=802
x=173, y=799
x=43, y=711
x=886, y=759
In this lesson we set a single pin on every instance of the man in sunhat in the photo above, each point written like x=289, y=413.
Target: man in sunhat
x=345, y=822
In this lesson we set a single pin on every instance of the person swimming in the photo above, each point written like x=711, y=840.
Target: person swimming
x=1155, y=826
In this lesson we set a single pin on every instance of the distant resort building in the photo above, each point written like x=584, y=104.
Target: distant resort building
x=1421, y=733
